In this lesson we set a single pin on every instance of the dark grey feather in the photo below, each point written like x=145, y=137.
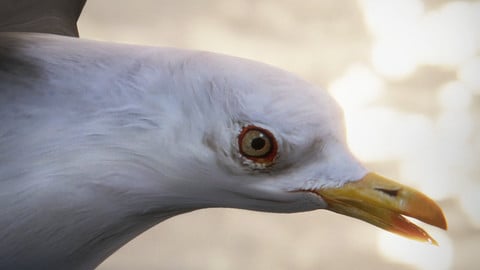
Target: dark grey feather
x=41, y=16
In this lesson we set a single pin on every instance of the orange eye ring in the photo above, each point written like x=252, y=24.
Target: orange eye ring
x=258, y=145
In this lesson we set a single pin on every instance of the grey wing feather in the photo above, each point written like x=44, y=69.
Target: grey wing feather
x=41, y=16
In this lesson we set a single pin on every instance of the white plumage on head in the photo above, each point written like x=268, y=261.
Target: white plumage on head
x=129, y=131
x=100, y=141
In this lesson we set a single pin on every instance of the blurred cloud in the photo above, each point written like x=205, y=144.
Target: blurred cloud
x=455, y=96
x=469, y=73
x=406, y=36
x=391, y=23
x=371, y=127
x=470, y=202
x=358, y=87
x=450, y=35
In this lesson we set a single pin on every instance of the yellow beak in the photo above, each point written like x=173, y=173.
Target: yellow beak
x=384, y=203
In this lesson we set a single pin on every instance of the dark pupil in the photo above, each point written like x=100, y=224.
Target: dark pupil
x=258, y=143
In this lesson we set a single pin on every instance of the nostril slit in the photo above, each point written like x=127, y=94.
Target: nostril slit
x=389, y=192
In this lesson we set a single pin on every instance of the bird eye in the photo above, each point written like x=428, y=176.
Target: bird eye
x=257, y=144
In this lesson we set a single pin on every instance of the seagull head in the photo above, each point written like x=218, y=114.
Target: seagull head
x=242, y=134
x=148, y=133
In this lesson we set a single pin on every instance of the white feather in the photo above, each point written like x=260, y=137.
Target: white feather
x=99, y=141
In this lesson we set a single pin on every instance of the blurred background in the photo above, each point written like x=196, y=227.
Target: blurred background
x=407, y=74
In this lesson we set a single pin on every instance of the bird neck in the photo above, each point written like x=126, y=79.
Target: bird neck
x=83, y=170
x=80, y=215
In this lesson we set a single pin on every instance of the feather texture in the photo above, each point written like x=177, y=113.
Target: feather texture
x=100, y=141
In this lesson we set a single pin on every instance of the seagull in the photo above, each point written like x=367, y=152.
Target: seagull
x=100, y=141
